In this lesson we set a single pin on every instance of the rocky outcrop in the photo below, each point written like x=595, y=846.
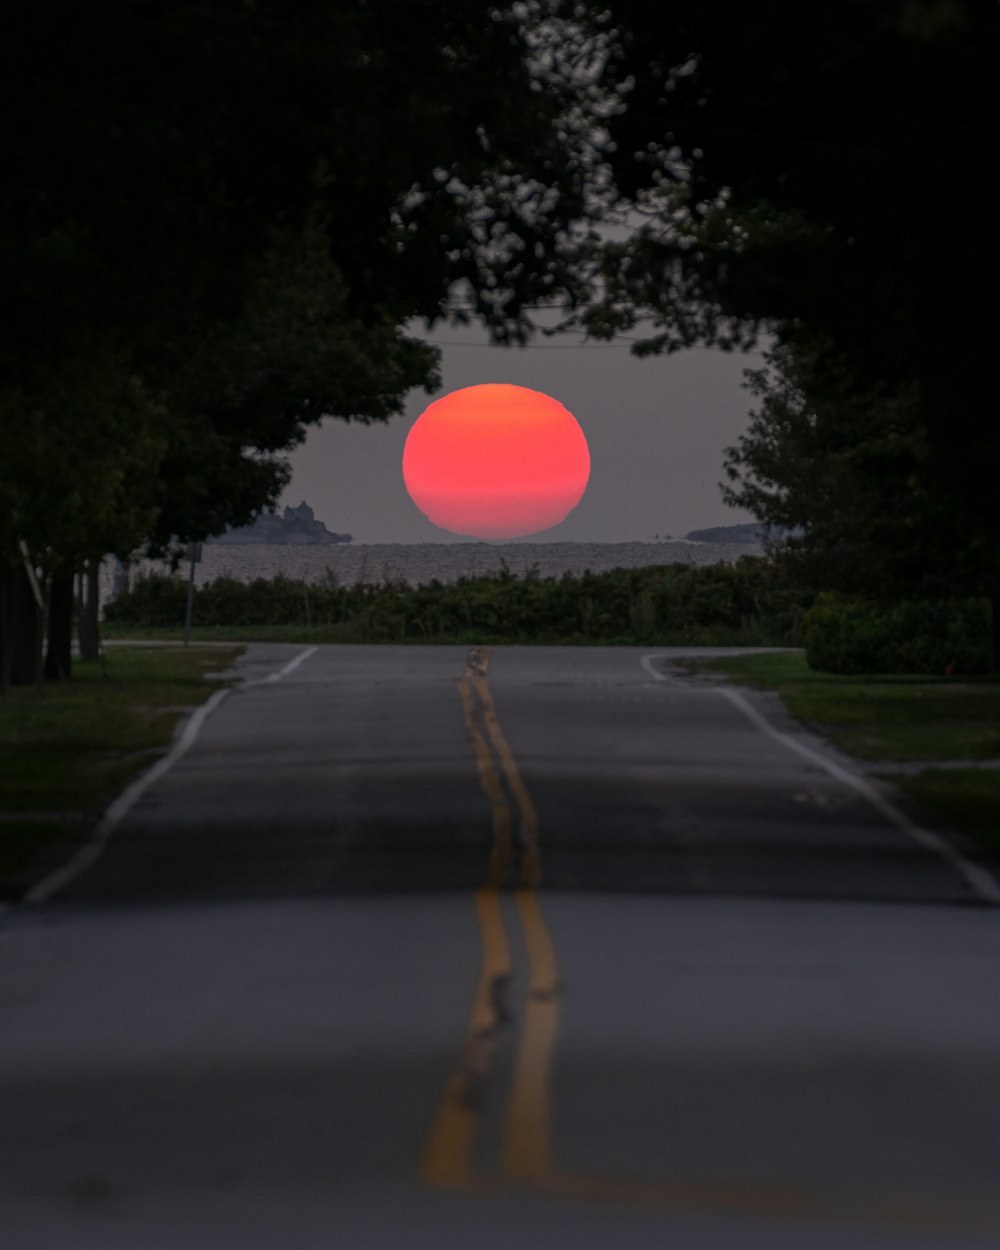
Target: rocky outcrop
x=297, y=526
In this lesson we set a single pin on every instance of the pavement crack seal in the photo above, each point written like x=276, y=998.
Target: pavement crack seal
x=525, y=1147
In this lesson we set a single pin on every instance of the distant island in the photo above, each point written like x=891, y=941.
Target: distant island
x=748, y=533
x=297, y=526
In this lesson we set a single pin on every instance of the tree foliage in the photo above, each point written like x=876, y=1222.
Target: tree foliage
x=823, y=172
x=248, y=388
x=221, y=215
x=851, y=635
x=844, y=474
x=75, y=450
x=752, y=601
x=827, y=166
x=242, y=204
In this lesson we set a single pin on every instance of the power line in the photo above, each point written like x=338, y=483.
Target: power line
x=535, y=347
x=595, y=345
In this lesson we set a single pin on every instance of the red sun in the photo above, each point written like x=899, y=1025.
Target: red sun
x=496, y=461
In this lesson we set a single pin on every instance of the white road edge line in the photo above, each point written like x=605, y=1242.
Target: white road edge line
x=95, y=846
x=290, y=667
x=982, y=883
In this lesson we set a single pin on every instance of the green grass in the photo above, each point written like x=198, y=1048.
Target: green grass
x=881, y=718
x=917, y=719
x=967, y=799
x=66, y=750
x=344, y=632
x=117, y=631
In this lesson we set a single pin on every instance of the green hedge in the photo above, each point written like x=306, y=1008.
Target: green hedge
x=851, y=635
x=749, y=602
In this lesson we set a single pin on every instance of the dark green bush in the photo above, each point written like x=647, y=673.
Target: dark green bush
x=850, y=635
x=751, y=602
x=158, y=601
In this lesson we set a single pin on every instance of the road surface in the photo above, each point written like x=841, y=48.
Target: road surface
x=445, y=947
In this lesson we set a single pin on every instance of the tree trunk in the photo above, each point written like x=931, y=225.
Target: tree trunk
x=59, y=653
x=41, y=617
x=19, y=624
x=995, y=631
x=90, y=642
x=4, y=631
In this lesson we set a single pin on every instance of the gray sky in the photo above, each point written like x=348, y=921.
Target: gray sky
x=657, y=430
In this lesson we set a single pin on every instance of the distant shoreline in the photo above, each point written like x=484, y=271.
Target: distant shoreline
x=418, y=563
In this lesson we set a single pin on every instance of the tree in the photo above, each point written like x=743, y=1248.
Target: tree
x=77, y=447
x=832, y=163
x=825, y=172
x=845, y=481
x=243, y=393
x=236, y=208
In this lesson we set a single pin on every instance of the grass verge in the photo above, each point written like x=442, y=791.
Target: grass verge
x=65, y=751
x=117, y=631
x=931, y=720
x=966, y=799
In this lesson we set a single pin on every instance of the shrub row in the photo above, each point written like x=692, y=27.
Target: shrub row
x=749, y=602
x=851, y=635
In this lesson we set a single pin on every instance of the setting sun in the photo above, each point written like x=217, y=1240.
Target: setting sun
x=496, y=461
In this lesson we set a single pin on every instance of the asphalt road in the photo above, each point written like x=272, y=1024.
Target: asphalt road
x=429, y=947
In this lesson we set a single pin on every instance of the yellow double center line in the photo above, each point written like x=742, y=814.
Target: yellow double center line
x=525, y=1151
x=525, y=1156
x=510, y=801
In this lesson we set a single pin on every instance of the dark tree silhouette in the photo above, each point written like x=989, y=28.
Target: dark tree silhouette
x=220, y=218
x=824, y=171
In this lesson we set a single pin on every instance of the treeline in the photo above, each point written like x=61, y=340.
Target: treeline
x=749, y=603
x=754, y=602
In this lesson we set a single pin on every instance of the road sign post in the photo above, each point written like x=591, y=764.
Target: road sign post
x=193, y=554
